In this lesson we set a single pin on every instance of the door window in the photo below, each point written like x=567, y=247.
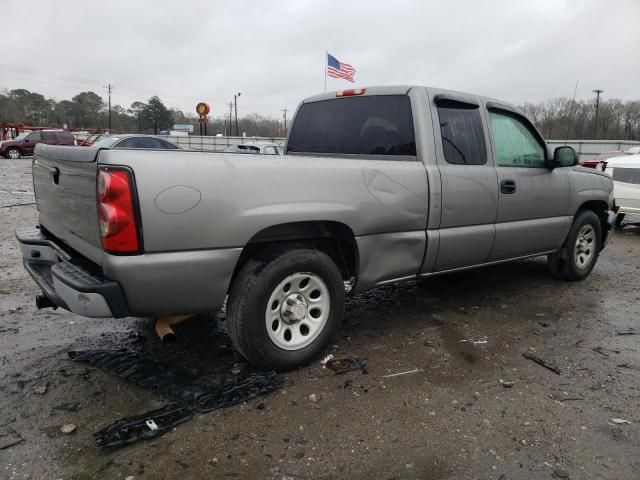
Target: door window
x=48, y=137
x=516, y=145
x=462, y=135
x=34, y=137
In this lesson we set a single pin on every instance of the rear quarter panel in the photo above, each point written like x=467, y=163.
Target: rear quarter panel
x=194, y=200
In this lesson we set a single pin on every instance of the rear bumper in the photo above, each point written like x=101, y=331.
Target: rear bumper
x=146, y=285
x=68, y=283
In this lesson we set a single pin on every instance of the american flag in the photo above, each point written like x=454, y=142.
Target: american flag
x=337, y=69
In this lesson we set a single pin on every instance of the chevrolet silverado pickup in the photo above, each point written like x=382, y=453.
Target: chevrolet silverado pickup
x=378, y=185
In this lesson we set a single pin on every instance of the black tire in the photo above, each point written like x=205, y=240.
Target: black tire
x=569, y=263
x=9, y=150
x=620, y=220
x=251, y=292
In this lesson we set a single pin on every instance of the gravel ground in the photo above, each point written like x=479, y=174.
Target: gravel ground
x=470, y=407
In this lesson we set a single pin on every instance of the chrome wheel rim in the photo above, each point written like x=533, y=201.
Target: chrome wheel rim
x=585, y=247
x=14, y=154
x=297, y=311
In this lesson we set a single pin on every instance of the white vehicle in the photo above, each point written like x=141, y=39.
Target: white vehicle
x=255, y=148
x=625, y=172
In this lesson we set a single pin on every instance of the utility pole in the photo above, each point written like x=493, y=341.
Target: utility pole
x=230, y=117
x=597, y=91
x=155, y=119
x=284, y=112
x=109, y=87
x=235, y=102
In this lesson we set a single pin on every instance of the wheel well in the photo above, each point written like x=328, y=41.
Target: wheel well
x=333, y=238
x=600, y=209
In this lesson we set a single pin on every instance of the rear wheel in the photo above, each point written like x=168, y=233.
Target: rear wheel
x=14, y=153
x=285, y=307
x=579, y=254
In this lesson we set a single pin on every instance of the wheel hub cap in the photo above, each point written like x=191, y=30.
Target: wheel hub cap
x=297, y=311
x=585, y=246
x=294, y=309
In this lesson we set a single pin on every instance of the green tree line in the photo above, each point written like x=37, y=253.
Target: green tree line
x=556, y=118
x=88, y=110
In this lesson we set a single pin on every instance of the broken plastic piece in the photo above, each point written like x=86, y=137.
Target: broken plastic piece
x=152, y=425
x=133, y=429
x=344, y=365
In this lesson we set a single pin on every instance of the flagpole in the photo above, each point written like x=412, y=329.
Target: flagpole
x=324, y=69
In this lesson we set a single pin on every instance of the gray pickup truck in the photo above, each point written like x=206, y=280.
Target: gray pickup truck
x=377, y=186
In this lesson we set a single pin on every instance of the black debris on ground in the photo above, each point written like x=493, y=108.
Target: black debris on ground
x=187, y=393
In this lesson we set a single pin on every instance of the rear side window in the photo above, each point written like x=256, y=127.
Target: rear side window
x=516, y=145
x=627, y=175
x=376, y=125
x=66, y=138
x=48, y=137
x=132, y=142
x=462, y=134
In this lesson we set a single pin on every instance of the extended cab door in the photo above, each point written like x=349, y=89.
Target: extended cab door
x=468, y=179
x=533, y=199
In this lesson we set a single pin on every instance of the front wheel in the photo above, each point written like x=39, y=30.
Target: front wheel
x=13, y=153
x=285, y=307
x=580, y=251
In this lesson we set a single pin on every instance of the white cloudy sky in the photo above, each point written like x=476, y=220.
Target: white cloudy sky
x=273, y=52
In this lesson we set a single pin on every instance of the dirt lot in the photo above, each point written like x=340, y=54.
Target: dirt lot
x=455, y=415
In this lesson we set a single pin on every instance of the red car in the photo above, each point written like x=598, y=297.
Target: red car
x=24, y=143
x=595, y=162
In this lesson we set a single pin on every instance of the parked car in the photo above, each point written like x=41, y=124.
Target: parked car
x=379, y=185
x=25, y=143
x=255, y=148
x=134, y=141
x=625, y=172
x=597, y=162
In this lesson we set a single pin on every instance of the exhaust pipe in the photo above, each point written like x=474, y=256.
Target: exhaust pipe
x=163, y=327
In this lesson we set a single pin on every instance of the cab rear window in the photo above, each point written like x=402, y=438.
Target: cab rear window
x=375, y=125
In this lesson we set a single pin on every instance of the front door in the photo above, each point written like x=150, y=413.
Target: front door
x=533, y=199
x=34, y=138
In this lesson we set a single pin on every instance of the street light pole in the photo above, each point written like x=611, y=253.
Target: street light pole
x=284, y=112
x=597, y=91
x=235, y=102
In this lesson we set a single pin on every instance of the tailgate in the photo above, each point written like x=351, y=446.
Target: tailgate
x=64, y=180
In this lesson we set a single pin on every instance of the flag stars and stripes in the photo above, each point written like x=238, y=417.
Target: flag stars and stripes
x=337, y=69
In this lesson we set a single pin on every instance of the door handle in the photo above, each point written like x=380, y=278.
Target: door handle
x=55, y=174
x=508, y=186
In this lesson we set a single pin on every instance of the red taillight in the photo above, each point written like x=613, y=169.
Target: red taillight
x=350, y=92
x=116, y=211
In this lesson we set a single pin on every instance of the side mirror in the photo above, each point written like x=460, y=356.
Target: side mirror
x=26, y=140
x=563, y=157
